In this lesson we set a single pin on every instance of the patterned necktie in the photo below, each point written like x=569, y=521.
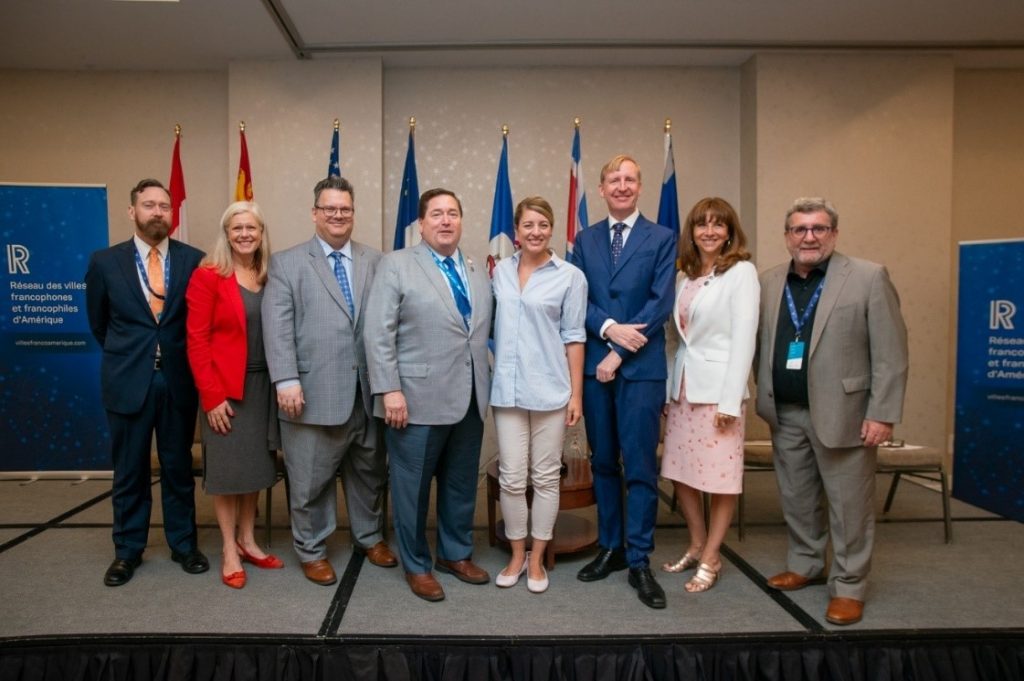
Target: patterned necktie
x=155, y=272
x=342, y=277
x=617, y=241
x=461, y=301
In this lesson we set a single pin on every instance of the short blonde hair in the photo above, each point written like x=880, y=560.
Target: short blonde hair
x=616, y=163
x=219, y=257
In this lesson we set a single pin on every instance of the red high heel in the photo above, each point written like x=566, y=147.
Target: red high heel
x=271, y=562
x=236, y=580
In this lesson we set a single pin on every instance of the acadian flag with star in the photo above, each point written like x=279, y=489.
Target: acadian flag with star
x=577, y=219
x=176, y=188
x=333, y=165
x=243, y=186
x=406, y=233
x=502, y=231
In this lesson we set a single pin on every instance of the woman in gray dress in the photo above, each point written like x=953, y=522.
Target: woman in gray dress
x=225, y=351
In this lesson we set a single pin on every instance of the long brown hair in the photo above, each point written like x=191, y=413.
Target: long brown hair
x=712, y=210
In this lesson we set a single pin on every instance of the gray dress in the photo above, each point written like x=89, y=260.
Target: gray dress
x=243, y=460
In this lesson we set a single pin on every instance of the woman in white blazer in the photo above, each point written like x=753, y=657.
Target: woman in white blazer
x=715, y=318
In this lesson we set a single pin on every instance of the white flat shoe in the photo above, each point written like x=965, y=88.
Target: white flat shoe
x=506, y=581
x=537, y=586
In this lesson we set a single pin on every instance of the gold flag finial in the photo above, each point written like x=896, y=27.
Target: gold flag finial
x=504, y=131
x=241, y=126
x=412, y=122
x=668, y=125
x=177, y=130
x=337, y=124
x=576, y=122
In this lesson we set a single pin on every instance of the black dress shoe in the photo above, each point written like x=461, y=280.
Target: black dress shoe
x=121, y=571
x=193, y=562
x=606, y=562
x=647, y=588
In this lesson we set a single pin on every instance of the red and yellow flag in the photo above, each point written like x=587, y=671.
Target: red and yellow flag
x=243, y=186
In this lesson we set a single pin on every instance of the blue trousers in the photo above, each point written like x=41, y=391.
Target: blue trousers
x=131, y=436
x=451, y=453
x=622, y=420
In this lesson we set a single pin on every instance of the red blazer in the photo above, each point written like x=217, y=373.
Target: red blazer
x=215, y=329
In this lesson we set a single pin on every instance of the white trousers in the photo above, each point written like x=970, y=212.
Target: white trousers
x=529, y=444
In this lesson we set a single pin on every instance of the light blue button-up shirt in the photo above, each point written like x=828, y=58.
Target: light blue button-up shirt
x=531, y=330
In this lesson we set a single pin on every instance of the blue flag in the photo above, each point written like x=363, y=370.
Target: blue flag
x=406, y=233
x=333, y=166
x=668, y=206
x=577, y=220
x=502, y=231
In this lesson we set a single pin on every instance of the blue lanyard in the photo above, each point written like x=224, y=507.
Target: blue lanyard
x=145, y=276
x=798, y=324
x=454, y=280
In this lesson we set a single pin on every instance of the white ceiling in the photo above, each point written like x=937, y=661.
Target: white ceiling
x=207, y=34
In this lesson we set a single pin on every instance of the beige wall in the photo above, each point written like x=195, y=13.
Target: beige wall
x=114, y=129
x=289, y=109
x=874, y=134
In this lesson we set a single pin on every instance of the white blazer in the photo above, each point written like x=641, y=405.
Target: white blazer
x=717, y=350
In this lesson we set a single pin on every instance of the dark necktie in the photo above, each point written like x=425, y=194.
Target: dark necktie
x=617, y=241
x=461, y=300
x=342, y=277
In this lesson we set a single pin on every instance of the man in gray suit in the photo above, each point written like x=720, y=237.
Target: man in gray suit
x=427, y=323
x=831, y=375
x=313, y=312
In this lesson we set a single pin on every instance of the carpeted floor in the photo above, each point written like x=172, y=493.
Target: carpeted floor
x=55, y=546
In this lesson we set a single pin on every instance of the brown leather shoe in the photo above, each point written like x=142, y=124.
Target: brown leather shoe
x=791, y=581
x=425, y=586
x=319, y=571
x=844, y=611
x=380, y=555
x=464, y=570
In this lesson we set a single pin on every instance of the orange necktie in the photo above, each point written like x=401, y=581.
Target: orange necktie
x=155, y=272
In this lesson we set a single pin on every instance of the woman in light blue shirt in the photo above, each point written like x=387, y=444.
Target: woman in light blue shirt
x=537, y=389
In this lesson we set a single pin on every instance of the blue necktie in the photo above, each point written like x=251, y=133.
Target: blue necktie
x=342, y=277
x=461, y=300
x=617, y=241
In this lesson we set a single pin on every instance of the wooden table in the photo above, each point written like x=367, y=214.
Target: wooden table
x=572, y=533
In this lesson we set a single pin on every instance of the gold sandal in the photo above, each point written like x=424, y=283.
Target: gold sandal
x=684, y=563
x=703, y=579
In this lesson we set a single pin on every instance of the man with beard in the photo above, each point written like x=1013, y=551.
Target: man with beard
x=135, y=295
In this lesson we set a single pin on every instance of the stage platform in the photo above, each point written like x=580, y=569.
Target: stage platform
x=934, y=610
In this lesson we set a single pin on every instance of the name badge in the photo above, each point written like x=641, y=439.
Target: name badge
x=795, y=356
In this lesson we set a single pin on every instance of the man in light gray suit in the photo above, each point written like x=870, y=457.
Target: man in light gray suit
x=831, y=374
x=427, y=323
x=313, y=312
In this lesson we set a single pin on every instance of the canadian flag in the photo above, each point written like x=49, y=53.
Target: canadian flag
x=179, y=222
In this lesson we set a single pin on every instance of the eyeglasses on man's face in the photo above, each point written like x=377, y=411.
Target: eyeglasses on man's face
x=331, y=211
x=801, y=231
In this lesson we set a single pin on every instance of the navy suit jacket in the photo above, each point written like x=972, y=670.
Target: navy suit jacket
x=639, y=289
x=124, y=326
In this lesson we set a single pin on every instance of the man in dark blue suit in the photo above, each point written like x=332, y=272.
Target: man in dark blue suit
x=629, y=263
x=135, y=295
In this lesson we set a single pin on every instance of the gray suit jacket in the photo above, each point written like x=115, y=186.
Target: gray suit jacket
x=310, y=334
x=416, y=341
x=857, y=359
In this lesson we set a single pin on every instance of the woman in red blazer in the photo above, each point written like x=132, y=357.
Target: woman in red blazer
x=225, y=351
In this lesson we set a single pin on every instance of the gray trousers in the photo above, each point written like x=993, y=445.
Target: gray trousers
x=809, y=473
x=313, y=456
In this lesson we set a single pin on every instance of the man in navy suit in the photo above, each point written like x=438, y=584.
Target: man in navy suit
x=135, y=295
x=629, y=263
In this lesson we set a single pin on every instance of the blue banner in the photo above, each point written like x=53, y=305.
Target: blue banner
x=989, y=447
x=51, y=416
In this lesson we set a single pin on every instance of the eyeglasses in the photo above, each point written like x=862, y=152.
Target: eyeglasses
x=331, y=211
x=817, y=230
